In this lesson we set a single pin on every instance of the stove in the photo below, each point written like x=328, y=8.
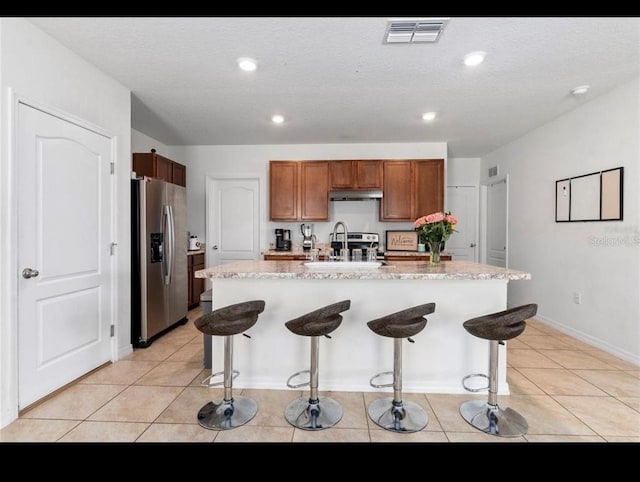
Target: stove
x=358, y=240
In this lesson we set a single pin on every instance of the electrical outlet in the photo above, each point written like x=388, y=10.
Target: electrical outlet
x=577, y=297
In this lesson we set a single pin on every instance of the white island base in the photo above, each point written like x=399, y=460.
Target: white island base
x=443, y=353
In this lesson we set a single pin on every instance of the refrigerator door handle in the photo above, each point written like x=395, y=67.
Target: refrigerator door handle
x=166, y=236
x=172, y=243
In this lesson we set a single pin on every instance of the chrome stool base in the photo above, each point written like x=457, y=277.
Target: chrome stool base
x=304, y=414
x=225, y=416
x=409, y=417
x=493, y=419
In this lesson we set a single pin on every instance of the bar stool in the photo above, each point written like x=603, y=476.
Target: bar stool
x=392, y=413
x=488, y=416
x=314, y=412
x=228, y=321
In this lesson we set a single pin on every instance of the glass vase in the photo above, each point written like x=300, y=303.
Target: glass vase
x=434, y=251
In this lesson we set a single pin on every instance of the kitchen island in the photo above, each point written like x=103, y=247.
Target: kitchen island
x=443, y=353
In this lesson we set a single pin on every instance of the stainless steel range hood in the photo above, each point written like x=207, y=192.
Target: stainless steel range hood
x=368, y=195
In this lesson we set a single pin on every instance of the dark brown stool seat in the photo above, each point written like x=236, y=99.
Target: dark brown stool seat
x=228, y=321
x=403, y=324
x=503, y=325
x=392, y=413
x=315, y=412
x=488, y=416
x=320, y=322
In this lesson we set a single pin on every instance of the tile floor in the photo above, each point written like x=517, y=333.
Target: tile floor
x=567, y=390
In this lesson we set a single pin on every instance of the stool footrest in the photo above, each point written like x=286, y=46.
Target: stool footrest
x=380, y=385
x=207, y=383
x=475, y=390
x=304, y=384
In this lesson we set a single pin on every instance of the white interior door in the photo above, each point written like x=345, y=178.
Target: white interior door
x=462, y=201
x=233, y=220
x=64, y=236
x=497, y=223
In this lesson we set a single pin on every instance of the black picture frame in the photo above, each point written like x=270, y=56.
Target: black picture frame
x=596, y=196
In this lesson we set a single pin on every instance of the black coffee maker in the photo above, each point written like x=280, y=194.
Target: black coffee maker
x=283, y=239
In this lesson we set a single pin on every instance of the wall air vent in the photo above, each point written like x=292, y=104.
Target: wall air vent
x=418, y=30
x=493, y=171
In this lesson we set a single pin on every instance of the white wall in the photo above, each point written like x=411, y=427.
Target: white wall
x=359, y=216
x=36, y=66
x=143, y=143
x=463, y=171
x=562, y=257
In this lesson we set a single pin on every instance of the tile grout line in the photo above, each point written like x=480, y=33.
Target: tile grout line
x=575, y=415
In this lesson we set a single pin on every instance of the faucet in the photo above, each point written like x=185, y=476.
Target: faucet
x=346, y=235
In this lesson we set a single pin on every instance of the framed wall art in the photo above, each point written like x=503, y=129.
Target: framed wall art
x=597, y=196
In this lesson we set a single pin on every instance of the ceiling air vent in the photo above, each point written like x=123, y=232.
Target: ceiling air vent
x=493, y=171
x=404, y=31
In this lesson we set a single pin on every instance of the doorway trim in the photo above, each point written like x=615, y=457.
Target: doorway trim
x=484, y=208
x=9, y=250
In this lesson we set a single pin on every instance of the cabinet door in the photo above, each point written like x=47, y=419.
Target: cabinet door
x=397, y=191
x=341, y=174
x=368, y=174
x=314, y=192
x=163, y=168
x=143, y=164
x=283, y=190
x=179, y=174
x=428, y=186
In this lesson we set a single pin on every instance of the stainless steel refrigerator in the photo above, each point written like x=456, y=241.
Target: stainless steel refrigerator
x=158, y=259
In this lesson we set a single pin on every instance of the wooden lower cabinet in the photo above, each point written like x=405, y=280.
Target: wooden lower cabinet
x=286, y=257
x=425, y=257
x=196, y=285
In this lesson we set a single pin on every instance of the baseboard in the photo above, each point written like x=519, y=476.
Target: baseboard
x=125, y=351
x=339, y=386
x=591, y=340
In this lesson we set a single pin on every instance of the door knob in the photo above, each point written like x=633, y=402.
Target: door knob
x=472, y=245
x=30, y=273
x=214, y=247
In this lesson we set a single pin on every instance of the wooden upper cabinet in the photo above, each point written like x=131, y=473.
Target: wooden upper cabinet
x=428, y=186
x=355, y=174
x=283, y=190
x=154, y=165
x=341, y=174
x=164, y=168
x=368, y=174
x=397, y=191
x=412, y=188
x=179, y=174
x=299, y=190
x=314, y=191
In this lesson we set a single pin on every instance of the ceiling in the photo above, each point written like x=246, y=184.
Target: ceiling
x=336, y=82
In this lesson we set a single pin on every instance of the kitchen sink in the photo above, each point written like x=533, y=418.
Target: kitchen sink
x=345, y=264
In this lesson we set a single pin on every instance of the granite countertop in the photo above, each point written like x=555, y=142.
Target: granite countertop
x=446, y=270
x=197, y=251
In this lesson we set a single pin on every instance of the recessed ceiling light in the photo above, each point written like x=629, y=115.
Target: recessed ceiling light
x=247, y=64
x=580, y=90
x=474, y=58
x=277, y=119
x=428, y=116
